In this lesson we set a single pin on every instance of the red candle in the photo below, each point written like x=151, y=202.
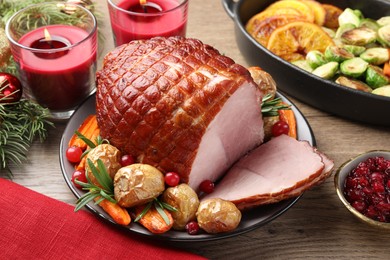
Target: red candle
x=58, y=77
x=153, y=18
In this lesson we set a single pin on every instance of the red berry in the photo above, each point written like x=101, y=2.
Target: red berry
x=126, y=160
x=80, y=176
x=73, y=154
x=280, y=128
x=192, y=228
x=172, y=179
x=10, y=88
x=206, y=186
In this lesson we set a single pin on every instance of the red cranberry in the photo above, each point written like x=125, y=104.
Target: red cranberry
x=126, y=160
x=206, y=186
x=192, y=228
x=172, y=179
x=280, y=128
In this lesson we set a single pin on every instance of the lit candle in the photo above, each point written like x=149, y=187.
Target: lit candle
x=142, y=19
x=59, y=75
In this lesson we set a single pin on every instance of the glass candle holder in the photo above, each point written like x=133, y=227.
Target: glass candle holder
x=140, y=19
x=54, y=46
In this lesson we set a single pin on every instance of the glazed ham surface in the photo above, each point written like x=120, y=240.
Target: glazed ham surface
x=179, y=105
x=279, y=169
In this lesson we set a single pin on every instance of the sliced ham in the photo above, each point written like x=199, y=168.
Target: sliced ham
x=279, y=169
x=179, y=105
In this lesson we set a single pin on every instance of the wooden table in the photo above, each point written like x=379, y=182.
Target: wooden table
x=317, y=226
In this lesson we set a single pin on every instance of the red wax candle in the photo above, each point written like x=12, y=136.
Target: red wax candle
x=155, y=18
x=61, y=79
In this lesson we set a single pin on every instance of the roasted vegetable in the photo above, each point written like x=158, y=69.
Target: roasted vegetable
x=217, y=215
x=337, y=54
x=303, y=64
x=383, y=91
x=354, y=67
x=354, y=49
x=384, y=35
x=315, y=59
x=375, y=56
x=375, y=77
x=185, y=200
x=349, y=16
x=359, y=36
x=353, y=83
x=137, y=184
x=327, y=71
x=109, y=155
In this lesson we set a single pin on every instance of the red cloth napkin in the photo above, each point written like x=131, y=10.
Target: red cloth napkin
x=34, y=226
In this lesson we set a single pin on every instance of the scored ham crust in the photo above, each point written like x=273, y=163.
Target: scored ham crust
x=179, y=105
x=280, y=169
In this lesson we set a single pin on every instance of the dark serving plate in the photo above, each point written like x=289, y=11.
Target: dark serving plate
x=250, y=220
x=323, y=94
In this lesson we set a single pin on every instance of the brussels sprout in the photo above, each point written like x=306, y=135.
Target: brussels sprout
x=384, y=35
x=354, y=49
x=327, y=71
x=315, y=59
x=350, y=16
x=330, y=32
x=369, y=23
x=338, y=54
x=303, y=64
x=353, y=83
x=385, y=20
x=343, y=28
x=359, y=36
x=383, y=91
x=375, y=77
x=375, y=56
x=354, y=67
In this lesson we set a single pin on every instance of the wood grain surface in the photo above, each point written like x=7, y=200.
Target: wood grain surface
x=316, y=227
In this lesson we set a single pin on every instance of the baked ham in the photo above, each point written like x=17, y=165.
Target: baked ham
x=279, y=169
x=179, y=105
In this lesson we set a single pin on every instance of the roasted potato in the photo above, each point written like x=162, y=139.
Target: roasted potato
x=185, y=200
x=216, y=215
x=109, y=155
x=137, y=184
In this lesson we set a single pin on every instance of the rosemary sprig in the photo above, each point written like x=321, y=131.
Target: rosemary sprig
x=104, y=191
x=159, y=206
x=270, y=106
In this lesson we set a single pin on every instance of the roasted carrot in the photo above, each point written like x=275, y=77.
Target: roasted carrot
x=87, y=128
x=287, y=115
x=153, y=221
x=81, y=164
x=118, y=214
x=386, y=68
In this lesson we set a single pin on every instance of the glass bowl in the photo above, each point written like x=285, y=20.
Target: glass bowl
x=342, y=173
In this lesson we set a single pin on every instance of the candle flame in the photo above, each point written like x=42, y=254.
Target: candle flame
x=142, y=2
x=47, y=35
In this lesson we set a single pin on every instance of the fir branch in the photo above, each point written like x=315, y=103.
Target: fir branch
x=20, y=124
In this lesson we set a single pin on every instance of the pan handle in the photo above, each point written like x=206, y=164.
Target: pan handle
x=229, y=6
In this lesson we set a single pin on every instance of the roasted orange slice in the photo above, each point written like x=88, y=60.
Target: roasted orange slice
x=300, y=6
x=258, y=18
x=294, y=40
x=318, y=10
x=264, y=29
x=332, y=14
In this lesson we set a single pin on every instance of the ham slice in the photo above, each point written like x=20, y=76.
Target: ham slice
x=279, y=169
x=179, y=105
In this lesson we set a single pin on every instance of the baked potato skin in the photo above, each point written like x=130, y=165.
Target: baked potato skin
x=216, y=216
x=185, y=200
x=109, y=155
x=137, y=184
